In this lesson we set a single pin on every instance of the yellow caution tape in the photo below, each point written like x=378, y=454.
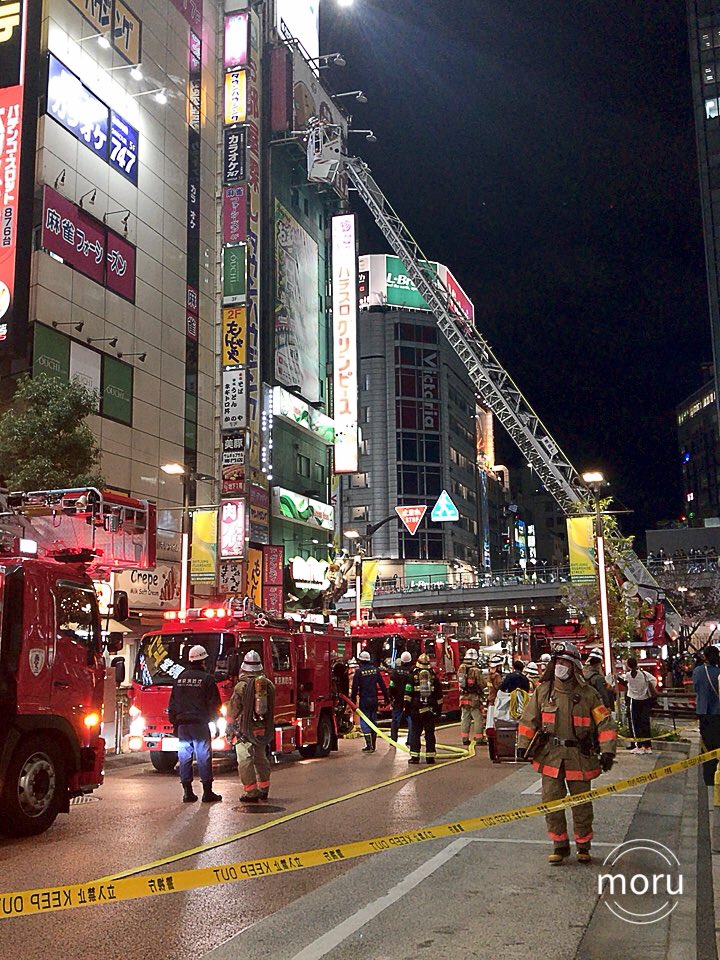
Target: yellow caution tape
x=52, y=899
x=449, y=751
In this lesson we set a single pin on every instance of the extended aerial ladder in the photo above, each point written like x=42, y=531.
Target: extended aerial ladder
x=496, y=388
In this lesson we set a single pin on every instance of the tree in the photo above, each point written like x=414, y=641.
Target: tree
x=695, y=597
x=45, y=442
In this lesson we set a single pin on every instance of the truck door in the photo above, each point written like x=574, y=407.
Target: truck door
x=283, y=678
x=77, y=685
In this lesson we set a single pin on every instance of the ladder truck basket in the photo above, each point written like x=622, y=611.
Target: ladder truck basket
x=324, y=152
x=108, y=531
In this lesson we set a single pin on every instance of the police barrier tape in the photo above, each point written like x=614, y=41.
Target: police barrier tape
x=442, y=750
x=52, y=899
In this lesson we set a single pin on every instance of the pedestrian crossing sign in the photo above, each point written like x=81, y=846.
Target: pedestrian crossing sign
x=444, y=509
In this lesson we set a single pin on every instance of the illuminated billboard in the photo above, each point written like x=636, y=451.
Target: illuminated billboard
x=386, y=283
x=301, y=19
x=345, y=362
x=235, y=97
x=232, y=529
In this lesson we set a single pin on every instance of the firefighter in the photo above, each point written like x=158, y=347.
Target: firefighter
x=543, y=663
x=568, y=724
x=366, y=683
x=472, y=685
x=494, y=682
x=398, y=681
x=194, y=705
x=423, y=701
x=251, y=712
x=594, y=676
x=533, y=675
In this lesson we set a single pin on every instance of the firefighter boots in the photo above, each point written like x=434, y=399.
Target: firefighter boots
x=251, y=796
x=414, y=760
x=188, y=795
x=466, y=741
x=430, y=761
x=263, y=794
x=583, y=854
x=368, y=748
x=558, y=855
x=208, y=795
x=373, y=737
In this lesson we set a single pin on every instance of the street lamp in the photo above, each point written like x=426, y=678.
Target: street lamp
x=595, y=481
x=175, y=469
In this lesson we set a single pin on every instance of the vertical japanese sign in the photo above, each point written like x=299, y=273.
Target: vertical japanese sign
x=273, y=600
x=232, y=529
x=233, y=336
x=254, y=575
x=203, y=562
x=13, y=29
x=192, y=11
x=581, y=544
x=254, y=103
x=344, y=294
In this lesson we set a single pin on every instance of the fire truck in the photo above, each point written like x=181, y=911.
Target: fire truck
x=52, y=543
x=386, y=639
x=306, y=662
x=532, y=640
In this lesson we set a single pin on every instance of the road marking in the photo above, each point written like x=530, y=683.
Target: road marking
x=540, y=843
x=535, y=786
x=333, y=938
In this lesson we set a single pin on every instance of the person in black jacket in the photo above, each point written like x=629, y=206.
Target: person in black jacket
x=516, y=679
x=366, y=683
x=194, y=703
x=399, y=679
x=423, y=701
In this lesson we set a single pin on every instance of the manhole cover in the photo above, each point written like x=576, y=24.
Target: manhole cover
x=78, y=800
x=257, y=808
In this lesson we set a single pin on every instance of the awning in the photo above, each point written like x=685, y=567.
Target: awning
x=113, y=626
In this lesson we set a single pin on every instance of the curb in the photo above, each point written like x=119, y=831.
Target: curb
x=114, y=760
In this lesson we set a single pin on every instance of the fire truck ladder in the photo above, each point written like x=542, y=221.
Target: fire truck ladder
x=495, y=386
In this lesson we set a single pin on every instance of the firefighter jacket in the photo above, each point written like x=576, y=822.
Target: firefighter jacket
x=194, y=698
x=398, y=681
x=493, y=685
x=241, y=711
x=472, y=685
x=367, y=680
x=574, y=726
x=417, y=701
x=594, y=676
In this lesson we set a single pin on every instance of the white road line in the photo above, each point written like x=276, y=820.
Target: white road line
x=333, y=938
x=535, y=786
x=543, y=843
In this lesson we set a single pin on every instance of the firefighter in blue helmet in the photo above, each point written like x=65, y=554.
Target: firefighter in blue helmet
x=423, y=701
x=366, y=683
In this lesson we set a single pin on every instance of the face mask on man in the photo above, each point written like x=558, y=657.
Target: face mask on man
x=562, y=670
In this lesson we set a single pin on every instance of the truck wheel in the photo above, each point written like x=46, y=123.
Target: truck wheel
x=163, y=761
x=324, y=740
x=34, y=788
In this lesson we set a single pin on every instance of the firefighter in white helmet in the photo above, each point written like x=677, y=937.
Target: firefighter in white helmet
x=472, y=685
x=565, y=726
x=194, y=705
x=367, y=681
x=494, y=682
x=251, y=712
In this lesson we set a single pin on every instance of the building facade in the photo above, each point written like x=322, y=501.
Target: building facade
x=697, y=432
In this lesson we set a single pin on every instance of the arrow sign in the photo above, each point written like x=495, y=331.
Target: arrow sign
x=444, y=509
x=411, y=516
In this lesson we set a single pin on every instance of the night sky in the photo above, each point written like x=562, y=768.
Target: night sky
x=545, y=152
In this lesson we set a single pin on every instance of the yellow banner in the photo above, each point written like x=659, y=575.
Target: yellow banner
x=254, y=576
x=234, y=336
x=581, y=544
x=203, y=559
x=369, y=579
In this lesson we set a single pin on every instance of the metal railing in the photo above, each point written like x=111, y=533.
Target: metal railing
x=436, y=583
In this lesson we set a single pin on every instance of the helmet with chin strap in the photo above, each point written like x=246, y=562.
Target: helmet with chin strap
x=564, y=650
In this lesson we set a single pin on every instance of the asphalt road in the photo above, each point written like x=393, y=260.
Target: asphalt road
x=137, y=818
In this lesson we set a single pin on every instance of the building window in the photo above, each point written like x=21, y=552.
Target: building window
x=359, y=480
x=711, y=109
x=366, y=415
x=359, y=513
x=365, y=447
x=319, y=473
x=303, y=465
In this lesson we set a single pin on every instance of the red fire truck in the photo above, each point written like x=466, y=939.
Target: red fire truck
x=531, y=641
x=306, y=662
x=51, y=666
x=387, y=639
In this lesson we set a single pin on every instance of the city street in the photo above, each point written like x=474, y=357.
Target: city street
x=490, y=894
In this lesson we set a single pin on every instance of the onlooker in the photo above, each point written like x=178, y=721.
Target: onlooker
x=516, y=679
x=706, y=680
x=641, y=691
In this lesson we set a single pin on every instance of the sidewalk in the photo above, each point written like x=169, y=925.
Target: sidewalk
x=493, y=894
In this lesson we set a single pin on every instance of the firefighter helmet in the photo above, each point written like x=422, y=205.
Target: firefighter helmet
x=423, y=660
x=364, y=655
x=595, y=654
x=197, y=653
x=252, y=662
x=471, y=654
x=531, y=670
x=405, y=656
x=496, y=661
x=545, y=659
x=564, y=650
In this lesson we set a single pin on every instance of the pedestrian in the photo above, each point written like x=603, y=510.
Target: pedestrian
x=251, y=713
x=423, y=701
x=194, y=705
x=494, y=682
x=594, y=676
x=472, y=685
x=641, y=693
x=366, y=683
x=558, y=731
x=399, y=679
x=706, y=681
x=516, y=680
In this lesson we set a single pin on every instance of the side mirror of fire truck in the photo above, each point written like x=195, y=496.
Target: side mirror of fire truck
x=114, y=643
x=233, y=663
x=118, y=665
x=121, y=606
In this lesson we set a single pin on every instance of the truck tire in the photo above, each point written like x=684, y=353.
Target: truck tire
x=35, y=788
x=324, y=743
x=164, y=761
